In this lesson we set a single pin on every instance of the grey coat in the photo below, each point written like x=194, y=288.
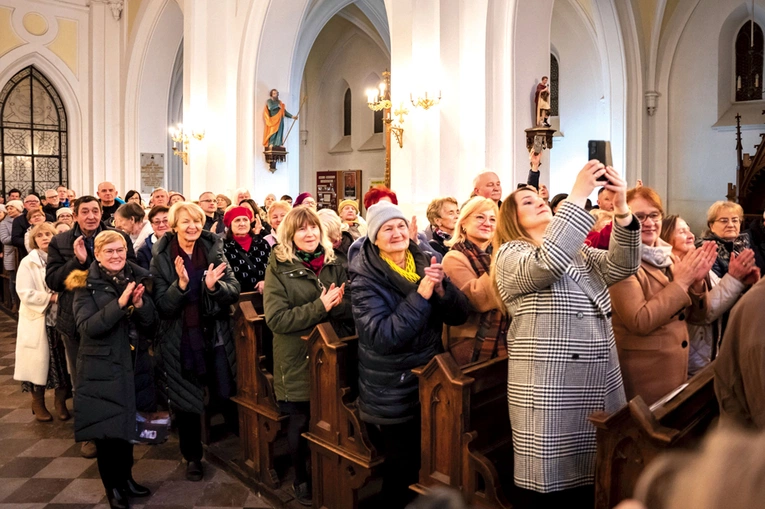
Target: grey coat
x=562, y=360
x=9, y=256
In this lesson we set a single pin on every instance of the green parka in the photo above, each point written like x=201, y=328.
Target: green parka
x=293, y=307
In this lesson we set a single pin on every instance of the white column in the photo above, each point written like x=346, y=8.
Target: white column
x=195, y=47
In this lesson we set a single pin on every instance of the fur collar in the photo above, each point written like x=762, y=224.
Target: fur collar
x=76, y=279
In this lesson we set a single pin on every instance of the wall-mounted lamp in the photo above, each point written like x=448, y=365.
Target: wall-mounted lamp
x=179, y=135
x=425, y=103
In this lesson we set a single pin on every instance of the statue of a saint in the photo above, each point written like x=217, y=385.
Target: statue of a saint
x=542, y=102
x=274, y=114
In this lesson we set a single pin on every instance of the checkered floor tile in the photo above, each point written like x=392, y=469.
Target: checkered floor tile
x=41, y=466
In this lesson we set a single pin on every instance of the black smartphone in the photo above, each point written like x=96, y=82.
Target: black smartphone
x=600, y=150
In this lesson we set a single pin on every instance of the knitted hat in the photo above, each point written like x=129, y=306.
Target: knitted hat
x=235, y=212
x=380, y=213
x=301, y=198
x=347, y=202
x=64, y=210
x=17, y=204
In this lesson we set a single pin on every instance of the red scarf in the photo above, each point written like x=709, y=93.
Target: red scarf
x=245, y=242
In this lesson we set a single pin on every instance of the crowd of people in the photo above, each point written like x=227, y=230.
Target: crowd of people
x=125, y=304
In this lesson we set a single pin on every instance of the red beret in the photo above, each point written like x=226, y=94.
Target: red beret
x=235, y=212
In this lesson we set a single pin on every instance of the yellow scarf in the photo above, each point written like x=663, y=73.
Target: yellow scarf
x=409, y=273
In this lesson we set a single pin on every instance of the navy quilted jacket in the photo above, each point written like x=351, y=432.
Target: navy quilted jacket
x=398, y=331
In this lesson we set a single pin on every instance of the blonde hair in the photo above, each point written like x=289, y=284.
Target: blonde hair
x=281, y=204
x=332, y=223
x=107, y=237
x=718, y=206
x=508, y=226
x=37, y=229
x=472, y=206
x=295, y=218
x=192, y=209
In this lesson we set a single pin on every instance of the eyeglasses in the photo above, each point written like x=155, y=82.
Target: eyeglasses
x=481, y=219
x=206, y=201
x=653, y=216
x=160, y=222
x=111, y=252
x=31, y=201
x=725, y=220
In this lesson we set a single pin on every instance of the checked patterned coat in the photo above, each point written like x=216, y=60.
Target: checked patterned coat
x=562, y=360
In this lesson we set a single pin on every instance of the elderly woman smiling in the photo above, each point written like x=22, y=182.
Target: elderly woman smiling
x=305, y=285
x=115, y=319
x=194, y=288
x=401, y=301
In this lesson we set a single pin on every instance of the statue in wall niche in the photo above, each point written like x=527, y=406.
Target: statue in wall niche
x=542, y=102
x=274, y=114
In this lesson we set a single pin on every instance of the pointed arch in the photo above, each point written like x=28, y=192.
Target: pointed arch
x=34, y=147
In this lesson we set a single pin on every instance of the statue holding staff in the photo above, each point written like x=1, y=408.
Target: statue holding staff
x=274, y=114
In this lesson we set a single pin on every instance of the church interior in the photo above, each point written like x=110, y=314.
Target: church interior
x=418, y=97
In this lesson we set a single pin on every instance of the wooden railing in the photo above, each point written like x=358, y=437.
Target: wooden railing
x=259, y=417
x=343, y=458
x=628, y=440
x=466, y=434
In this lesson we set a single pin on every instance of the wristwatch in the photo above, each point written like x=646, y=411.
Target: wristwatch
x=623, y=216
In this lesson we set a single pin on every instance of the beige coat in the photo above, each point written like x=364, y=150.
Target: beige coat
x=479, y=291
x=649, y=320
x=740, y=367
x=32, y=350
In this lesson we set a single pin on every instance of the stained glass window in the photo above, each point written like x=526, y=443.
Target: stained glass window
x=749, y=55
x=33, y=134
x=553, y=86
x=347, y=113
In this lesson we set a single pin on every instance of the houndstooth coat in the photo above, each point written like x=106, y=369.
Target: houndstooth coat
x=562, y=361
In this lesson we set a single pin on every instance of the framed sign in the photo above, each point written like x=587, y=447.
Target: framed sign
x=152, y=171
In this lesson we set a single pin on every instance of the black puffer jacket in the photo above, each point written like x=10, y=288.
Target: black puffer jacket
x=184, y=390
x=105, y=390
x=398, y=331
x=61, y=263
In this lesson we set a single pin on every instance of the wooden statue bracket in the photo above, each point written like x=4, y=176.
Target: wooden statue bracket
x=274, y=155
x=545, y=134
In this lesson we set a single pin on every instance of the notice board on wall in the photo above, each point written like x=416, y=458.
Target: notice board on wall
x=332, y=187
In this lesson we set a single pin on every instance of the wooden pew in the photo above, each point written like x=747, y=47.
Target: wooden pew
x=343, y=458
x=628, y=440
x=259, y=417
x=466, y=434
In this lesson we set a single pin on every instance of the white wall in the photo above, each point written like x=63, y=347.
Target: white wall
x=583, y=114
x=343, y=57
x=702, y=159
x=155, y=83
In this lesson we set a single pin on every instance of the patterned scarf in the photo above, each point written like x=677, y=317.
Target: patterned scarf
x=493, y=326
x=314, y=261
x=409, y=272
x=724, y=250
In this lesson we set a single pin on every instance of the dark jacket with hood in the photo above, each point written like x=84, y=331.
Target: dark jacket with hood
x=185, y=390
x=398, y=331
x=757, y=234
x=61, y=263
x=105, y=389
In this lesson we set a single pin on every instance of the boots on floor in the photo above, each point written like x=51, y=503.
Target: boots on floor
x=38, y=404
x=60, y=405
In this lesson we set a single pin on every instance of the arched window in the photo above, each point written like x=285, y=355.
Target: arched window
x=33, y=137
x=347, y=113
x=378, y=127
x=553, y=86
x=749, y=55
